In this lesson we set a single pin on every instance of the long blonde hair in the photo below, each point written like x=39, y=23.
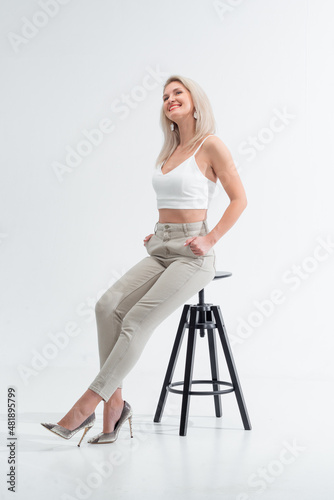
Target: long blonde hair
x=205, y=123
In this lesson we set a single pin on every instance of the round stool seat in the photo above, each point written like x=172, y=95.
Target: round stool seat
x=222, y=274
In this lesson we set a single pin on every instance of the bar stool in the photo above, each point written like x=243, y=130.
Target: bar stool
x=203, y=316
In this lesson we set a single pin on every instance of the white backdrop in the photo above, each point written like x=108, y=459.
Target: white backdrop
x=74, y=214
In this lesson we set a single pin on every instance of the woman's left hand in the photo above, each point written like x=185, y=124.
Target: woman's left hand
x=199, y=245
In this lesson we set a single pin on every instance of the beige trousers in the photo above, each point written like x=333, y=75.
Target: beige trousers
x=130, y=310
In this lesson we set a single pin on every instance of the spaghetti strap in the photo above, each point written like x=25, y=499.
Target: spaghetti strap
x=202, y=143
x=165, y=161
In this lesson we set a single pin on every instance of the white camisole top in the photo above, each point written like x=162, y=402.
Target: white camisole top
x=185, y=186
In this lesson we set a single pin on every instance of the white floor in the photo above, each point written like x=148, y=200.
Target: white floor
x=288, y=454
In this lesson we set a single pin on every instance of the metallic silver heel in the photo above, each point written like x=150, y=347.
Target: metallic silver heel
x=66, y=433
x=110, y=437
x=85, y=431
x=130, y=424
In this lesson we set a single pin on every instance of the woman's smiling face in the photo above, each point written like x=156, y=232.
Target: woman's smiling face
x=177, y=101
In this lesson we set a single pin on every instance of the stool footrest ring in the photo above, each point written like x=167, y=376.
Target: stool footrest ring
x=202, y=393
x=208, y=325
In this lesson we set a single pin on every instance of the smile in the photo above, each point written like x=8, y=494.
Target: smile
x=174, y=106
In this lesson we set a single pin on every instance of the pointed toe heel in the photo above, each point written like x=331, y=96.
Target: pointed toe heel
x=66, y=433
x=110, y=437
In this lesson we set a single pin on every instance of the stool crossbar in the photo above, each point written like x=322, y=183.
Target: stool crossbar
x=204, y=317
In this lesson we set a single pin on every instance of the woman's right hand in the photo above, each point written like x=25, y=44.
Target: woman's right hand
x=147, y=238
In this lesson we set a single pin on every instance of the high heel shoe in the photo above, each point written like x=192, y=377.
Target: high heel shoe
x=66, y=433
x=110, y=437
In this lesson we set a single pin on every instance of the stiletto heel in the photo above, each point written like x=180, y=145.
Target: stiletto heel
x=85, y=431
x=66, y=433
x=110, y=437
x=130, y=424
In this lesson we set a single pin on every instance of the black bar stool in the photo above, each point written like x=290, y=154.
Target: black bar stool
x=203, y=316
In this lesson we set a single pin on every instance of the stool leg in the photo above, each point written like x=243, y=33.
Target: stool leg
x=172, y=363
x=188, y=372
x=231, y=366
x=214, y=371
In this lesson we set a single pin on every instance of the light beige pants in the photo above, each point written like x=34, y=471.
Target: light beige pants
x=130, y=310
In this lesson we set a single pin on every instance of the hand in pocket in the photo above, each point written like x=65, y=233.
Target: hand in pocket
x=199, y=245
x=147, y=238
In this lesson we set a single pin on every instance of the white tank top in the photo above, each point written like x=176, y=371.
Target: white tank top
x=185, y=186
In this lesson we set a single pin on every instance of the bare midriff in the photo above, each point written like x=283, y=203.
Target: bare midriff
x=183, y=215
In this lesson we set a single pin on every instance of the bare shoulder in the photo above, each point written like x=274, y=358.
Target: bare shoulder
x=222, y=164
x=218, y=153
x=215, y=145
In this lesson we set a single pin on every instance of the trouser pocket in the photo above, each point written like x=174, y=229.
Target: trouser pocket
x=149, y=243
x=191, y=234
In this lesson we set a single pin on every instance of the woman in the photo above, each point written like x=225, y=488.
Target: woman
x=181, y=258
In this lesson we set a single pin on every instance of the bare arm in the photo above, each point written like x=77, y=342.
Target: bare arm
x=223, y=165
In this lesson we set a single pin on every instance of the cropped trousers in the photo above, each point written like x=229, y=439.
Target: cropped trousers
x=130, y=310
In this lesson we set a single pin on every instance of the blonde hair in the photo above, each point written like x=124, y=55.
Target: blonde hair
x=205, y=123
